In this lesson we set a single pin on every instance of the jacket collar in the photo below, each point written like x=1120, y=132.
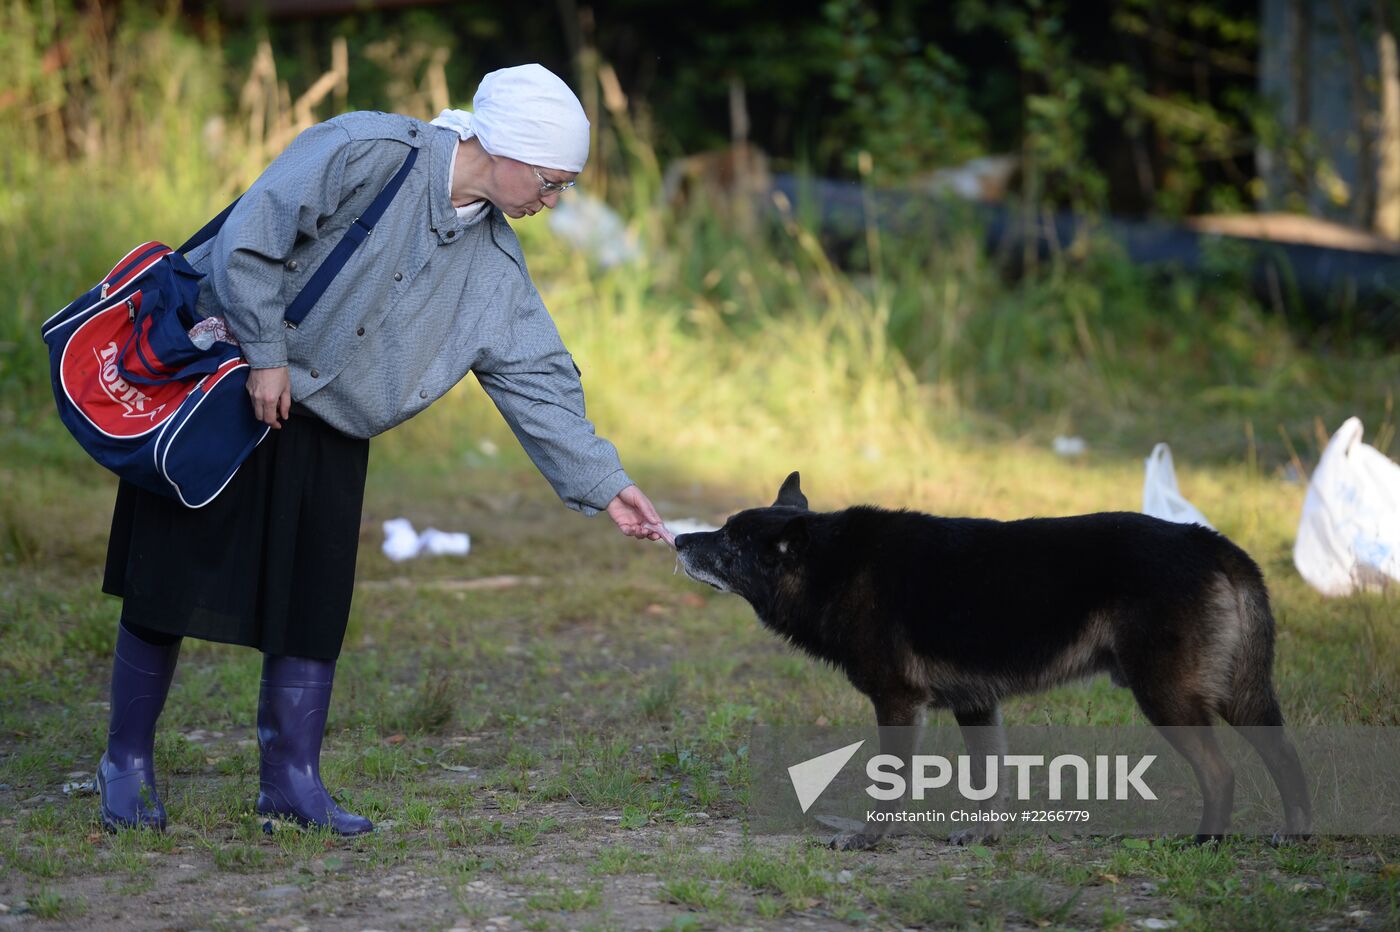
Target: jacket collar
x=442, y=146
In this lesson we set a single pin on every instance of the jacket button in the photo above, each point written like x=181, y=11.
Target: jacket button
x=293, y=265
x=413, y=132
x=451, y=233
x=315, y=374
x=398, y=276
x=360, y=332
x=423, y=393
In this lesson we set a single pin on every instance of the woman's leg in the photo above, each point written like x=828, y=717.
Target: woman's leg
x=292, y=708
x=142, y=667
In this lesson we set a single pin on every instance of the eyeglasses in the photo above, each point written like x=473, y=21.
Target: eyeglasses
x=551, y=187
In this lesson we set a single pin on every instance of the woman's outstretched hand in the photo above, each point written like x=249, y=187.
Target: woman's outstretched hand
x=635, y=516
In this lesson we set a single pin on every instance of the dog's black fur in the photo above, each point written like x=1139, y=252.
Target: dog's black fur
x=920, y=611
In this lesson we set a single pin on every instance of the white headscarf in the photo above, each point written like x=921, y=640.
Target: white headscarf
x=528, y=114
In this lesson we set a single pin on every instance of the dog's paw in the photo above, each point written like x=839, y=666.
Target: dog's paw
x=1287, y=839
x=974, y=836
x=854, y=841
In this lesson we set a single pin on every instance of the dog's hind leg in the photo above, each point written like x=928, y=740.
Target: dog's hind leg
x=900, y=720
x=985, y=736
x=1281, y=757
x=1186, y=724
x=1253, y=709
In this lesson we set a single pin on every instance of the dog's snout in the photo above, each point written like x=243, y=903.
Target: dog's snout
x=683, y=539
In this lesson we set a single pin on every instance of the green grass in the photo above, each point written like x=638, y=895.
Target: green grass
x=594, y=727
x=575, y=752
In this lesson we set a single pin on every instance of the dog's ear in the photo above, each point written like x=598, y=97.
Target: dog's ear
x=790, y=495
x=792, y=541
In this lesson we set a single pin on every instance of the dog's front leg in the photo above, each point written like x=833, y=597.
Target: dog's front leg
x=900, y=721
x=985, y=736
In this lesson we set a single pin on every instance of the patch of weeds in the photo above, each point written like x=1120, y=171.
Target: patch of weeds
x=724, y=722
x=384, y=762
x=1230, y=904
x=303, y=845
x=696, y=893
x=25, y=768
x=1113, y=917
x=463, y=867
x=683, y=923
x=237, y=760
x=1045, y=863
x=1031, y=899
x=658, y=702
x=566, y=898
x=523, y=757
x=91, y=634
x=45, y=819
x=432, y=705
x=1186, y=868
x=706, y=791
x=528, y=831
x=1298, y=859
x=801, y=876
x=368, y=801
x=177, y=754
x=46, y=859
x=926, y=901
x=49, y=904
x=474, y=831
x=619, y=859
x=417, y=814
x=239, y=859
x=634, y=817
x=606, y=776
x=551, y=788
x=769, y=907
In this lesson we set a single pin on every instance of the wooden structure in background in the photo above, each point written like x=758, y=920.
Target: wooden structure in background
x=1330, y=72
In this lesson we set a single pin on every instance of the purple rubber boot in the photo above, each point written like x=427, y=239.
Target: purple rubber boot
x=126, y=778
x=292, y=707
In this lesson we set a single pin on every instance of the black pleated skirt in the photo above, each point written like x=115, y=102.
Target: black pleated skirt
x=269, y=563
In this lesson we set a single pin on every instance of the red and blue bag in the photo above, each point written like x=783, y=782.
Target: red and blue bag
x=138, y=393
x=144, y=398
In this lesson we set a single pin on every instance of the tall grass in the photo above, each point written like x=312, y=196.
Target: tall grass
x=723, y=356
x=910, y=373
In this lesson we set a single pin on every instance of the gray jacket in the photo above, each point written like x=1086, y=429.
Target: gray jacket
x=427, y=298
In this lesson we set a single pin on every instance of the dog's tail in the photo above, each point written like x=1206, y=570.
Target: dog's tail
x=1251, y=699
x=1252, y=705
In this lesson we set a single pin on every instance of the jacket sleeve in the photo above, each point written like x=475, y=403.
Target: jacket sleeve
x=535, y=385
x=300, y=187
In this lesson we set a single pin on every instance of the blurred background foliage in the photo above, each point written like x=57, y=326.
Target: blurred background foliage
x=121, y=122
x=1135, y=105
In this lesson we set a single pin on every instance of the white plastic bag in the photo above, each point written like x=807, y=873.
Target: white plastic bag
x=595, y=228
x=1349, y=537
x=402, y=542
x=1160, y=496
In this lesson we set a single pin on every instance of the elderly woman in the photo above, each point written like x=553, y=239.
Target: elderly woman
x=438, y=290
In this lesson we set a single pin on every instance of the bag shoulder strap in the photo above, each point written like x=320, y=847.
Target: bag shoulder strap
x=359, y=231
x=206, y=232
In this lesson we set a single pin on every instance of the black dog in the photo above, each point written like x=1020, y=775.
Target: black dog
x=920, y=612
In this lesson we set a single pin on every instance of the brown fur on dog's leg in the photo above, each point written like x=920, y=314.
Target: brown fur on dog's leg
x=900, y=719
x=1254, y=711
x=984, y=735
